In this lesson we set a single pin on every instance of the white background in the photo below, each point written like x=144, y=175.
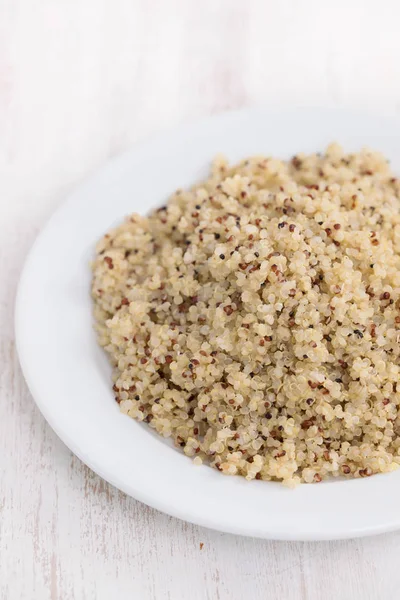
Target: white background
x=81, y=81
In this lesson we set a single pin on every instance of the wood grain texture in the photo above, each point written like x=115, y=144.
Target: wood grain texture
x=80, y=81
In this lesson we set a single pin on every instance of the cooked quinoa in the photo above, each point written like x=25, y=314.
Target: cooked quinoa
x=255, y=319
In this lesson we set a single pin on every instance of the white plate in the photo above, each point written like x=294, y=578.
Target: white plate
x=69, y=376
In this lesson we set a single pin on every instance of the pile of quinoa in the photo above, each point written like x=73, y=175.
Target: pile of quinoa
x=255, y=319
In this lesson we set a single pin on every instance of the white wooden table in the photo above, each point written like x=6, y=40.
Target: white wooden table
x=80, y=81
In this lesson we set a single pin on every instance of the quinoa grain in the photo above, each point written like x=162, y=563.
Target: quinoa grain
x=276, y=357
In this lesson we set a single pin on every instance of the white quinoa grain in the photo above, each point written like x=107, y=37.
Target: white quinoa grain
x=255, y=319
